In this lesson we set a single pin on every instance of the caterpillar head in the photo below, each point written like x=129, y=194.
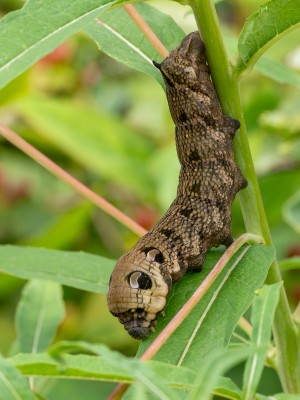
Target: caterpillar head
x=185, y=64
x=138, y=289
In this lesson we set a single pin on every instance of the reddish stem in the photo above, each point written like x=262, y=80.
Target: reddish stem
x=147, y=31
x=39, y=157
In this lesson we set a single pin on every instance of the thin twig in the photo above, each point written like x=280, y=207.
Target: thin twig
x=240, y=338
x=118, y=392
x=145, y=28
x=39, y=157
x=190, y=304
x=198, y=294
x=212, y=300
x=296, y=314
x=245, y=326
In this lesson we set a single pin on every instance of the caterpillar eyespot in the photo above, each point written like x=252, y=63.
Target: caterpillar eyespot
x=139, y=280
x=200, y=216
x=154, y=255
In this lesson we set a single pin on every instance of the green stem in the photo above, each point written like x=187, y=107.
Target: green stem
x=290, y=263
x=226, y=82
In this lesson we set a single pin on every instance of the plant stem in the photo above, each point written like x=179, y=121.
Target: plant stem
x=145, y=28
x=40, y=158
x=226, y=82
x=199, y=293
x=245, y=326
x=290, y=263
x=226, y=86
x=296, y=316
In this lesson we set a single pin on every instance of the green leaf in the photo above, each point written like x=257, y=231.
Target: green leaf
x=268, y=67
x=108, y=366
x=226, y=388
x=277, y=188
x=291, y=211
x=274, y=19
x=56, y=235
x=39, y=313
x=290, y=263
x=91, y=367
x=285, y=121
x=138, y=392
x=69, y=367
x=275, y=70
x=118, y=156
x=261, y=397
x=215, y=317
x=81, y=366
x=143, y=374
x=216, y=364
x=117, y=35
x=77, y=269
x=186, y=2
x=50, y=22
x=13, y=386
x=279, y=72
x=279, y=396
x=263, y=311
x=139, y=371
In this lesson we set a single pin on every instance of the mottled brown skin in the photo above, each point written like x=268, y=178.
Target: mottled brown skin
x=200, y=216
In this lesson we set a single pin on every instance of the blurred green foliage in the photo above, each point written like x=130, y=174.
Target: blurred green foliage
x=110, y=127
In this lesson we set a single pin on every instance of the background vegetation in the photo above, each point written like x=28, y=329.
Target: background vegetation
x=109, y=126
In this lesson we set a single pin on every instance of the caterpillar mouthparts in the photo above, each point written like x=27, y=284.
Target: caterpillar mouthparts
x=138, y=322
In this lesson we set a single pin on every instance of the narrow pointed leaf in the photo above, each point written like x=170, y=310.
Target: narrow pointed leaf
x=89, y=367
x=110, y=366
x=139, y=371
x=210, y=325
x=262, y=318
x=82, y=366
x=50, y=22
x=273, y=69
x=55, y=235
x=277, y=17
x=277, y=71
x=215, y=365
x=279, y=396
x=13, y=386
x=118, y=156
x=262, y=397
x=118, y=36
x=77, y=269
x=226, y=388
x=290, y=263
x=291, y=211
x=39, y=313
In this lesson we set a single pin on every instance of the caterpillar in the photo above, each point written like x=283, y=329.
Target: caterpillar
x=200, y=215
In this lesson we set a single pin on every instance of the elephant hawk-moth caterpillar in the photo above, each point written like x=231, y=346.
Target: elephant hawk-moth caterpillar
x=200, y=216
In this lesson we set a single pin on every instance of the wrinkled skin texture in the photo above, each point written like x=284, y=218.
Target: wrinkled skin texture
x=200, y=216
